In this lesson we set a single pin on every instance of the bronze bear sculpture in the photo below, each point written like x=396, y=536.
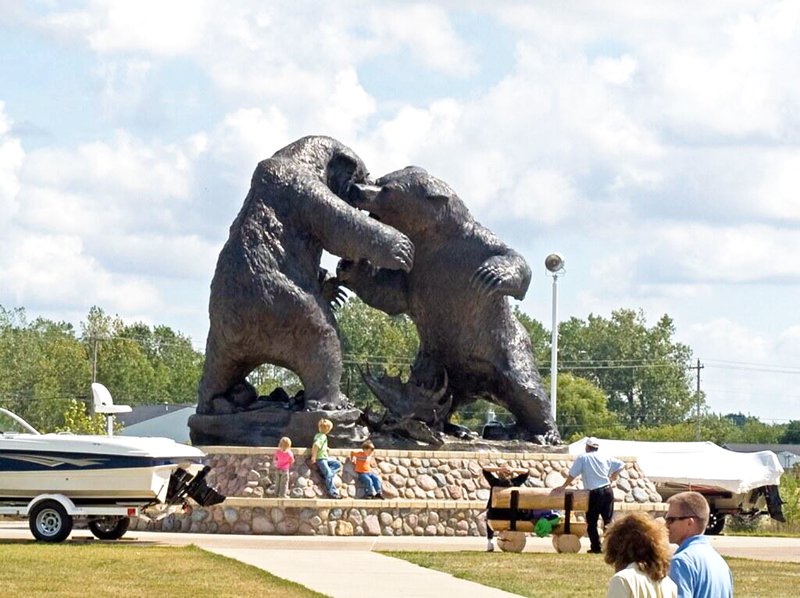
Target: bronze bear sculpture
x=269, y=302
x=470, y=341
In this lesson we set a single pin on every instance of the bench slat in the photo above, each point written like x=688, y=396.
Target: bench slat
x=577, y=528
x=539, y=498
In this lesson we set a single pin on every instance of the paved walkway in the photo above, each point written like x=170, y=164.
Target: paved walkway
x=359, y=574
x=336, y=566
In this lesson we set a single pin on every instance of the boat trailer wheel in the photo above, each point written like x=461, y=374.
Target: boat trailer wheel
x=716, y=523
x=109, y=527
x=49, y=521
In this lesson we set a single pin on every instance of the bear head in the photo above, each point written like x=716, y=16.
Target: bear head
x=336, y=164
x=344, y=170
x=410, y=200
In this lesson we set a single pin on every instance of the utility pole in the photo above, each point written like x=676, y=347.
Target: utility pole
x=94, y=359
x=698, y=367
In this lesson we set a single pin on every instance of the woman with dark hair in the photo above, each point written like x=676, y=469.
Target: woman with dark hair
x=638, y=549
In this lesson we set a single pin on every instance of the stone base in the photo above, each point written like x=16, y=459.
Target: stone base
x=428, y=493
x=265, y=427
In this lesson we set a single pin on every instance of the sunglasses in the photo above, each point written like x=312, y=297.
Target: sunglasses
x=670, y=520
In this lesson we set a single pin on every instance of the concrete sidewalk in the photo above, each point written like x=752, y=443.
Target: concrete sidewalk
x=359, y=574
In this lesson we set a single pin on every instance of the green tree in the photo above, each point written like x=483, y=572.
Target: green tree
x=790, y=493
x=754, y=431
x=642, y=370
x=120, y=362
x=78, y=421
x=371, y=339
x=42, y=365
x=267, y=377
x=580, y=408
x=138, y=364
x=176, y=365
x=792, y=433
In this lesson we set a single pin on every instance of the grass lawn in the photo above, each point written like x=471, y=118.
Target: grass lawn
x=32, y=570
x=583, y=575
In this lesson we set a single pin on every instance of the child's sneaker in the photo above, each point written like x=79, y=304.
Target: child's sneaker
x=379, y=496
x=489, y=546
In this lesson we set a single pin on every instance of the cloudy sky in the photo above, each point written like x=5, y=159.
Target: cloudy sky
x=656, y=145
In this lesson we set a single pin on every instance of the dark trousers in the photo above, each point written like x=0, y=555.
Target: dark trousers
x=601, y=504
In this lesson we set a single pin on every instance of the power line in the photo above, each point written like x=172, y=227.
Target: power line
x=753, y=367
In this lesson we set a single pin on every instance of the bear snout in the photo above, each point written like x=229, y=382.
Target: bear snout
x=361, y=195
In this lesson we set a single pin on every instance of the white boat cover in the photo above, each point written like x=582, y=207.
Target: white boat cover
x=695, y=463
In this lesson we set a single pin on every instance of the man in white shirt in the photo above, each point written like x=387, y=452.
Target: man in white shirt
x=597, y=471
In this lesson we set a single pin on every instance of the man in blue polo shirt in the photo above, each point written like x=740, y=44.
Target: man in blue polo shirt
x=696, y=568
x=597, y=471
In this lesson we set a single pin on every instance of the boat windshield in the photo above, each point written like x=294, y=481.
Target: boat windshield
x=13, y=423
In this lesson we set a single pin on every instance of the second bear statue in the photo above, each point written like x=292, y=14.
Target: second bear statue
x=456, y=295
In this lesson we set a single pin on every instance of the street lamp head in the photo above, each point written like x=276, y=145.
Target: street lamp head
x=554, y=263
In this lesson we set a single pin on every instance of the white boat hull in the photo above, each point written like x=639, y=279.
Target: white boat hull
x=94, y=468
x=133, y=484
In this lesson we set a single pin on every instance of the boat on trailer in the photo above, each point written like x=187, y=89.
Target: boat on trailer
x=105, y=478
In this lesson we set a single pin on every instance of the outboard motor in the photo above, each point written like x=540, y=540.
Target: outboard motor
x=201, y=492
x=182, y=484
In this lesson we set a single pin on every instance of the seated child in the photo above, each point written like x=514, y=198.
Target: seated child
x=328, y=468
x=365, y=468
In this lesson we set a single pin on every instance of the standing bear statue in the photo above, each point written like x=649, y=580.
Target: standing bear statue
x=471, y=344
x=269, y=298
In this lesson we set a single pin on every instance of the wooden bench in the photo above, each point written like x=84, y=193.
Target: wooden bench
x=566, y=535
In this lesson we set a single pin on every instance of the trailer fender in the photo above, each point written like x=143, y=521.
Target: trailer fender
x=65, y=502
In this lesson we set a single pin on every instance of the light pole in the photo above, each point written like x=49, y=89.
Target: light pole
x=555, y=265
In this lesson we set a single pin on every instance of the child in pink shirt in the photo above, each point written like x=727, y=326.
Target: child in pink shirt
x=283, y=459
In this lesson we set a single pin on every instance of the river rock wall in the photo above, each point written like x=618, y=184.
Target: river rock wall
x=427, y=493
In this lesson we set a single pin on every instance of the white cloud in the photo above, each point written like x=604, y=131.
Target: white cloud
x=618, y=71
x=776, y=192
x=160, y=28
x=729, y=75
x=142, y=255
x=113, y=186
x=124, y=84
x=100, y=222
x=54, y=270
x=705, y=253
x=721, y=336
x=11, y=158
x=346, y=109
x=244, y=138
x=411, y=135
x=787, y=345
x=546, y=196
x=745, y=368
x=423, y=31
